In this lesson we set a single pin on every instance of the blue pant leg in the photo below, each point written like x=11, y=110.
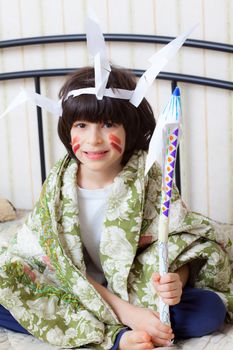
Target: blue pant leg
x=200, y=312
x=8, y=321
x=118, y=338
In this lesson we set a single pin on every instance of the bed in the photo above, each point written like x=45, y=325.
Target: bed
x=9, y=340
x=223, y=339
x=217, y=341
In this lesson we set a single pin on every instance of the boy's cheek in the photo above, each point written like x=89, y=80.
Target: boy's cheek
x=115, y=142
x=75, y=144
x=75, y=139
x=115, y=139
x=75, y=147
x=116, y=147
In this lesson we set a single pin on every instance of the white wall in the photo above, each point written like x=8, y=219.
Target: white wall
x=207, y=160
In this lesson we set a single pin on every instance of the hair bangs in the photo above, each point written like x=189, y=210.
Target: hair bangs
x=87, y=108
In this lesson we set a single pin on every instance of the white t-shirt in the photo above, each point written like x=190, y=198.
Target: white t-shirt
x=92, y=207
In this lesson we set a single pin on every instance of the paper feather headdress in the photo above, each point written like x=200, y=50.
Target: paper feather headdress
x=97, y=49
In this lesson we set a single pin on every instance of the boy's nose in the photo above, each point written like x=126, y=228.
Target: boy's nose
x=95, y=137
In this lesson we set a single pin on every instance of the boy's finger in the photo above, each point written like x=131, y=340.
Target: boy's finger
x=156, y=277
x=172, y=301
x=169, y=277
x=169, y=287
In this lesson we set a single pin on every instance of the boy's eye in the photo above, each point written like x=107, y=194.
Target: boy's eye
x=80, y=125
x=108, y=125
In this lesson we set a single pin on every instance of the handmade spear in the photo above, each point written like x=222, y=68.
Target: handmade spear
x=163, y=149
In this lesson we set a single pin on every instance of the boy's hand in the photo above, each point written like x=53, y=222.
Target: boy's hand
x=169, y=287
x=147, y=320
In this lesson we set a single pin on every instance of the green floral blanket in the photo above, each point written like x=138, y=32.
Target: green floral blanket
x=43, y=275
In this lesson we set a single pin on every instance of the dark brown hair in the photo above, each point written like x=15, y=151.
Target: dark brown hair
x=139, y=123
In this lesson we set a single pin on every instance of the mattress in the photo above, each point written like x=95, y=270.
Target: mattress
x=221, y=340
x=8, y=228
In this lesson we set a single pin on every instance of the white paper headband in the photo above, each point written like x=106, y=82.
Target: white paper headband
x=96, y=47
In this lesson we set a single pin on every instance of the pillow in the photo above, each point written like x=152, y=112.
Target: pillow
x=7, y=211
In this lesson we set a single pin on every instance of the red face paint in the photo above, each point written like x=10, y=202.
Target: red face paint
x=118, y=148
x=115, y=139
x=76, y=147
x=74, y=140
x=75, y=144
x=115, y=142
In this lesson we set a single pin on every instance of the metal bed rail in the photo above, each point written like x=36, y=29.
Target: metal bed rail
x=132, y=38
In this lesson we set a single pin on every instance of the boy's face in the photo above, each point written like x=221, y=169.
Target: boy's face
x=98, y=146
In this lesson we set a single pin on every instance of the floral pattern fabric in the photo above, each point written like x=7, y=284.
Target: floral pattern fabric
x=43, y=275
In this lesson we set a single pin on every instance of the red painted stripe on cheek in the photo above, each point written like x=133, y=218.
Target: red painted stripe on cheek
x=74, y=140
x=114, y=138
x=76, y=147
x=118, y=148
x=75, y=144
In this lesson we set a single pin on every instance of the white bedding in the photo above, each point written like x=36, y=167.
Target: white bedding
x=222, y=340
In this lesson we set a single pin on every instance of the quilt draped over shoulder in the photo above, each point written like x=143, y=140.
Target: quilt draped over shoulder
x=43, y=275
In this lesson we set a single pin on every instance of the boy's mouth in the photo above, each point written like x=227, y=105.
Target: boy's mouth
x=95, y=154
